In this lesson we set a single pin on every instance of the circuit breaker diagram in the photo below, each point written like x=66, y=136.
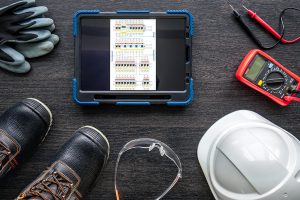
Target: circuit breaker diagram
x=133, y=54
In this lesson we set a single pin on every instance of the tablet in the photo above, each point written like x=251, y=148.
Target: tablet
x=133, y=57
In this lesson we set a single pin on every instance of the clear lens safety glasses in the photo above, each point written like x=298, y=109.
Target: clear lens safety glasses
x=150, y=144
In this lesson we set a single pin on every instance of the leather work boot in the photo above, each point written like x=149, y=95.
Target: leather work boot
x=75, y=169
x=22, y=128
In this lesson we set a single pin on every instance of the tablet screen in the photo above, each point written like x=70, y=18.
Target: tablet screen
x=132, y=54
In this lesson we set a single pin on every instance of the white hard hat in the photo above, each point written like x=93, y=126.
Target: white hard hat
x=246, y=157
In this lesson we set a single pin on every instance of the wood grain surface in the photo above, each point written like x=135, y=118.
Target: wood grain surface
x=219, y=45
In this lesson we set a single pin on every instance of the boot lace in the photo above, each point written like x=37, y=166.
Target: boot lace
x=4, y=155
x=56, y=185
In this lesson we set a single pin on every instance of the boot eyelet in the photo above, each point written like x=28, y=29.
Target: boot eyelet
x=21, y=196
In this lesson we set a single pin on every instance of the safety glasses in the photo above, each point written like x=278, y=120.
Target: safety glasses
x=150, y=144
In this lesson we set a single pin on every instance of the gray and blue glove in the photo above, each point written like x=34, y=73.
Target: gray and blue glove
x=24, y=31
x=12, y=60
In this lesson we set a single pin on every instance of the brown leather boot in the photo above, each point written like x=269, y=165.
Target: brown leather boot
x=74, y=170
x=22, y=128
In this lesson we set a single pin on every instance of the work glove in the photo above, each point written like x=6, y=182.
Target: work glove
x=18, y=22
x=24, y=33
x=12, y=60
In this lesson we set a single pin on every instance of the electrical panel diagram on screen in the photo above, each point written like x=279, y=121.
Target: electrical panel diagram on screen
x=133, y=54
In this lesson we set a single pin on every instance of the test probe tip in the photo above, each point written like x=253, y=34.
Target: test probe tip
x=245, y=7
x=230, y=5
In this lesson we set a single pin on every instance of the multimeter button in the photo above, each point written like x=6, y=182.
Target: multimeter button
x=260, y=82
x=271, y=65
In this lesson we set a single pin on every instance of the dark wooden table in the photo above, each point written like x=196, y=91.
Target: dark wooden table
x=218, y=47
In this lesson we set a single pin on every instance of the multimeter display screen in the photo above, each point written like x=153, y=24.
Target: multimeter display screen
x=255, y=68
x=132, y=53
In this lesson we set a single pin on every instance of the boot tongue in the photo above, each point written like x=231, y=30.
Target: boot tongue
x=59, y=181
x=4, y=155
x=37, y=198
x=9, y=149
x=46, y=195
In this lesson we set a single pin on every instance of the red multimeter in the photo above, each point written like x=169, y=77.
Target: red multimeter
x=263, y=73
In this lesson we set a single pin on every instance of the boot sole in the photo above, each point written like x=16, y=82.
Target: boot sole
x=106, y=140
x=103, y=136
x=49, y=112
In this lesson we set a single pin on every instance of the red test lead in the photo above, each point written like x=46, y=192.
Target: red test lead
x=271, y=30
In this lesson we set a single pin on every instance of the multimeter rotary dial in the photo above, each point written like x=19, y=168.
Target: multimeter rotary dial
x=275, y=80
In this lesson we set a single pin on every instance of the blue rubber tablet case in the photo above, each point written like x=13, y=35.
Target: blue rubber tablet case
x=132, y=64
